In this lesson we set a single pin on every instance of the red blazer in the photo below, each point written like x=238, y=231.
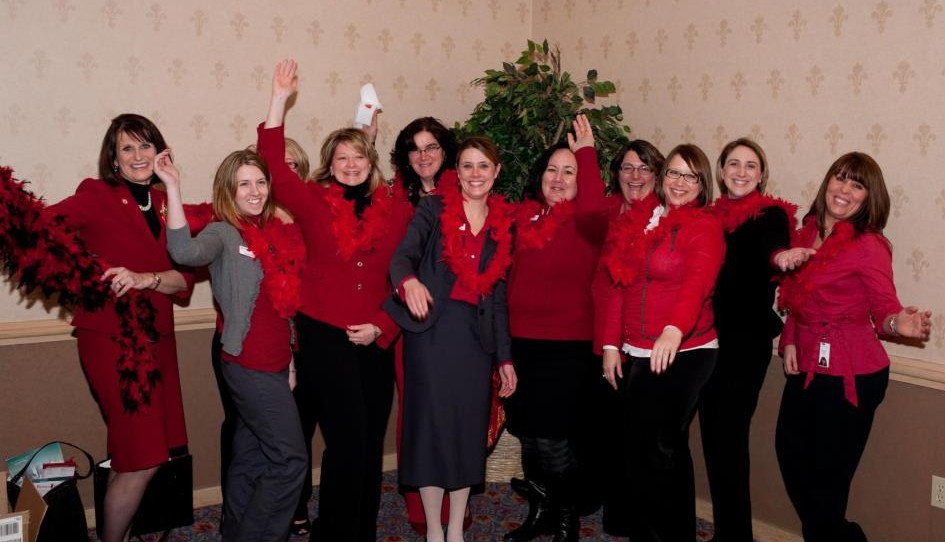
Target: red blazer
x=674, y=288
x=336, y=291
x=114, y=229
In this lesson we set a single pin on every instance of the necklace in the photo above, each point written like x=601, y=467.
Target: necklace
x=146, y=207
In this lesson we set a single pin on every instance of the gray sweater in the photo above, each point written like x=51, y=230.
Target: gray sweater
x=235, y=277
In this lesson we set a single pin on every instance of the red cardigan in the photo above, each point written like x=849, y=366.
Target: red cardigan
x=336, y=291
x=549, y=291
x=114, y=229
x=674, y=287
x=844, y=303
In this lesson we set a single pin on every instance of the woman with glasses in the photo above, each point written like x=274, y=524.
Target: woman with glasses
x=840, y=299
x=423, y=157
x=757, y=226
x=660, y=315
x=633, y=172
x=351, y=223
x=557, y=247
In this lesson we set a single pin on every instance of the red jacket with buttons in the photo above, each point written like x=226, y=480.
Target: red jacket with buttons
x=335, y=291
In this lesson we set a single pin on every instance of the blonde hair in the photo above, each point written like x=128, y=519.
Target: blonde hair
x=225, y=185
x=299, y=156
x=356, y=139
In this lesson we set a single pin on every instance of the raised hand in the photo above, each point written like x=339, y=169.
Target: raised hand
x=583, y=135
x=285, y=83
x=165, y=169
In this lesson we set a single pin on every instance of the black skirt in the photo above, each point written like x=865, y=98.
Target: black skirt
x=447, y=393
x=554, y=379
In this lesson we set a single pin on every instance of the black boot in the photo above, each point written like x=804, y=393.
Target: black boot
x=539, y=521
x=567, y=523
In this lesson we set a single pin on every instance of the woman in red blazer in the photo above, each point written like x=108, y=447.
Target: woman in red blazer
x=120, y=218
x=660, y=315
x=352, y=223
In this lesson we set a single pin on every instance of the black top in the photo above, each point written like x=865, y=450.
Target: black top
x=744, y=292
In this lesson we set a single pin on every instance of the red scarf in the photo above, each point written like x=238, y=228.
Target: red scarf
x=351, y=233
x=630, y=242
x=537, y=224
x=798, y=285
x=735, y=212
x=280, y=250
x=454, y=225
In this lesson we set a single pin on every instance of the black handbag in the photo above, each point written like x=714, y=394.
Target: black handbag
x=168, y=502
x=65, y=516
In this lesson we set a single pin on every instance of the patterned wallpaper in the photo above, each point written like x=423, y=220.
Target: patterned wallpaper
x=808, y=79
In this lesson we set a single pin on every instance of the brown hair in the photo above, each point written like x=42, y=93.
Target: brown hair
x=863, y=169
x=648, y=153
x=136, y=126
x=404, y=144
x=748, y=144
x=697, y=162
x=356, y=139
x=483, y=145
x=225, y=185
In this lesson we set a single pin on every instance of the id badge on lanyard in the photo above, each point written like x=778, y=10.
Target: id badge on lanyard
x=823, y=358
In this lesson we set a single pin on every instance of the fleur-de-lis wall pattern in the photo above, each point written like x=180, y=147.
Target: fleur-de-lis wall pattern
x=808, y=79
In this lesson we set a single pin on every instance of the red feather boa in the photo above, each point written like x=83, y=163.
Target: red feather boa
x=630, y=242
x=280, y=250
x=537, y=224
x=797, y=285
x=735, y=212
x=43, y=253
x=351, y=233
x=499, y=222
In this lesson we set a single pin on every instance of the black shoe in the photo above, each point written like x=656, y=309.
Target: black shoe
x=522, y=487
x=539, y=521
x=567, y=523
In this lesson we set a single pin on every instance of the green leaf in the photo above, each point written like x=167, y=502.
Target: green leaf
x=591, y=76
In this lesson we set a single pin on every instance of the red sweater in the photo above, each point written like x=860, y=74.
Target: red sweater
x=337, y=291
x=674, y=287
x=550, y=287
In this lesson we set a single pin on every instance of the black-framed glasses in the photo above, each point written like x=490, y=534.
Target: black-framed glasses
x=690, y=178
x=642, y=169
x=428, y=150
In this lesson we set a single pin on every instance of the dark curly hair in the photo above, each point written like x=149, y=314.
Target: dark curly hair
x=400, y=155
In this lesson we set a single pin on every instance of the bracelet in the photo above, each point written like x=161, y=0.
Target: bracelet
x=893, y=329
x=157, y=281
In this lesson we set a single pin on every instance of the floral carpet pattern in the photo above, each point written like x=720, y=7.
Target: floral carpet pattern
x=495, y=511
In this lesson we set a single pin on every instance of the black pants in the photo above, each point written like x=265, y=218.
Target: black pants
x=728, y=403
x=659, y=410
x=352, y=389
x=820, y=439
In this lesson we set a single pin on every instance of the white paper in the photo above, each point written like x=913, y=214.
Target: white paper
x=368, y=105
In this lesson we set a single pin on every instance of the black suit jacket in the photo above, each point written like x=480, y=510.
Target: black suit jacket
x=420, y=254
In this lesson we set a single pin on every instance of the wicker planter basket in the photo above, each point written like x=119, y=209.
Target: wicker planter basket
x=505, y=461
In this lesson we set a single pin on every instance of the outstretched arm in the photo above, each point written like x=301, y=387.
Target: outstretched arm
x=285, y=83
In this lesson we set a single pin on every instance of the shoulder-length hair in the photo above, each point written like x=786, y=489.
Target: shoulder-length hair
x=404, y=144
x=698, y=163
x=135, y=126
x=225, y=184
x=861, y=168
x=748, y=144
x=357, y=140
x=533, y=184
x=648, y=153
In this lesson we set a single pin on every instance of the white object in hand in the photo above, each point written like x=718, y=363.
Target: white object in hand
x=369, y=104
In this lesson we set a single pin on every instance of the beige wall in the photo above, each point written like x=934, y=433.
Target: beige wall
x=810, y=80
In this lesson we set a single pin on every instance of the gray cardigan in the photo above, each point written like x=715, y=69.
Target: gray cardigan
x=235, y=277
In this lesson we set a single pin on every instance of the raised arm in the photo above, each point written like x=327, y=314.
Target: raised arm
x=285, y=83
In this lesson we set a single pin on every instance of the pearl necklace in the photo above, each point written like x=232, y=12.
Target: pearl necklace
x=146, y=207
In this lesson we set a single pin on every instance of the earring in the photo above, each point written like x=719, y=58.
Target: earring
x=114, y=168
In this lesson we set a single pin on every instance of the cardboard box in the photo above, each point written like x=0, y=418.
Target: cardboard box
x=4, y=503
x=15, y=527
x=31, y=501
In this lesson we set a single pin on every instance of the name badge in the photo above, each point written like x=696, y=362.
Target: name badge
x=823, y=360
x=247, y=252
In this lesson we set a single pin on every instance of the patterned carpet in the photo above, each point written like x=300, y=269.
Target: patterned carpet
x=496, y=511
